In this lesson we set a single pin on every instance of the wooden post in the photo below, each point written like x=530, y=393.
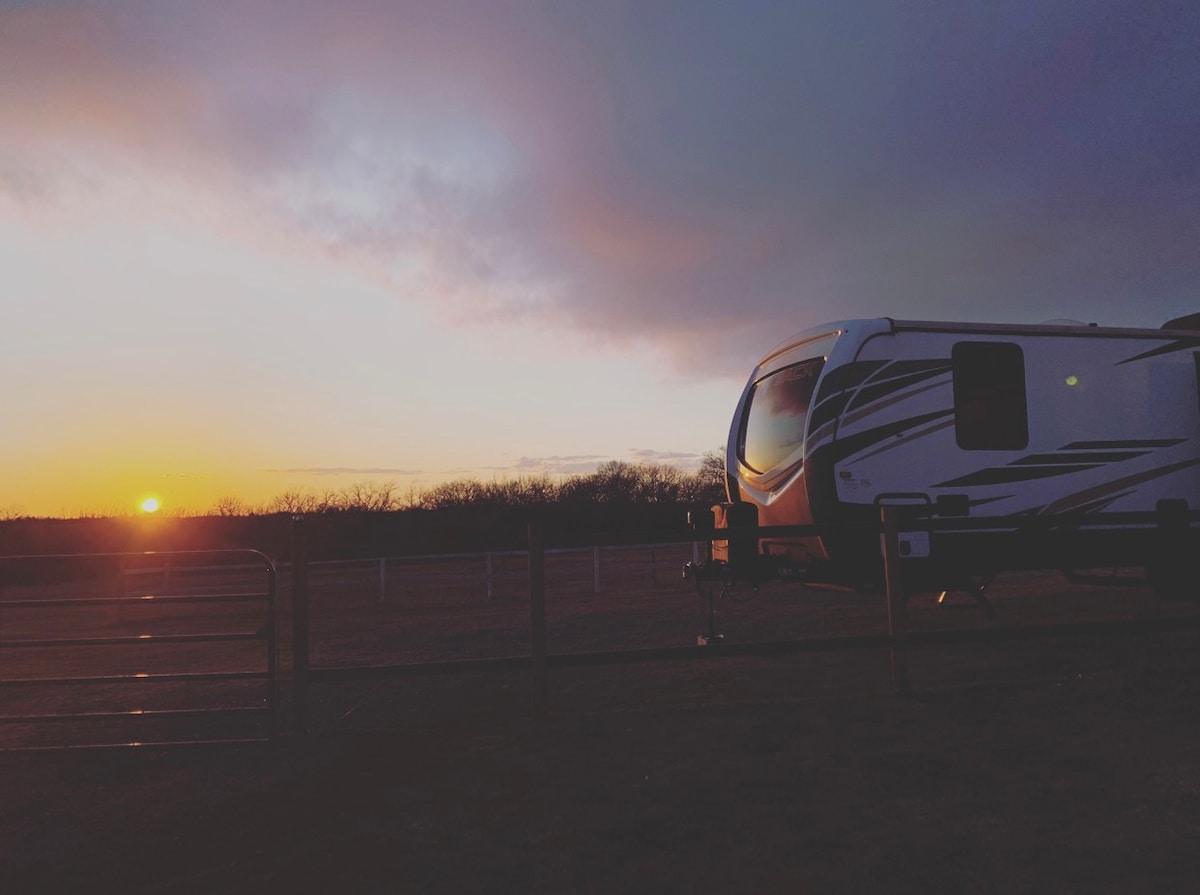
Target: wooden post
x=300, y=622
x=539, y=695
x=896, y=601
x=490, y=576
x=382, y=578
x=596, y=570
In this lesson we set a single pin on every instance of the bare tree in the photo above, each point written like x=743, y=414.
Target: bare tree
x=296, y=502
x=229, y=506
x=368, y=497
x=712, y=474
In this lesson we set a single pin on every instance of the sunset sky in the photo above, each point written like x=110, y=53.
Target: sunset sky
x=247, y=247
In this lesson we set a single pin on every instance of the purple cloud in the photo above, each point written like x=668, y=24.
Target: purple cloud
x=702, y=180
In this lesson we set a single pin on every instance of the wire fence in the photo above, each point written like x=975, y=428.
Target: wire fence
x=469, y=578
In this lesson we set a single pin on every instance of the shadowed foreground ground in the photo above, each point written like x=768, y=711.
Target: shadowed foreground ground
x=1082, y=778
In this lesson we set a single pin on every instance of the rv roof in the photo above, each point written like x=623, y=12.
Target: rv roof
x=862, y=327
x=1066, y=329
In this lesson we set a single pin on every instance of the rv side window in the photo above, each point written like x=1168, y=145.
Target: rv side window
x=773, y=426
x=990, y=413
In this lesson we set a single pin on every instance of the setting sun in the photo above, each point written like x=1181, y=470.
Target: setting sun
x=150, y=505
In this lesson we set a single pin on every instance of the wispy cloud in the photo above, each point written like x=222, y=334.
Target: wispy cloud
x=559, y=465
x=648, y=455
x=346, y=470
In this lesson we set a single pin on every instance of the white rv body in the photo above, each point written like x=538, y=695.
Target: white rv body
x=975, y=420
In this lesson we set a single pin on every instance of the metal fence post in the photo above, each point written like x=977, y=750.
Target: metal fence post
x=300, y=627
x=539, y=695
x=896, y=603
x=490, y=572
x=382, y=578
x=272, y=631
x=596, y=569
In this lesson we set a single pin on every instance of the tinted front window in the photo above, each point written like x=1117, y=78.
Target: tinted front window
x=773, y=427
x=990, y=412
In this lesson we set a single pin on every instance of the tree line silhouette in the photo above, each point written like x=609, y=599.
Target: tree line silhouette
x=370, y=519
x=613, y=483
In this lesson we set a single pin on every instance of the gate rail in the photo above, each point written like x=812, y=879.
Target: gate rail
x=251, y=561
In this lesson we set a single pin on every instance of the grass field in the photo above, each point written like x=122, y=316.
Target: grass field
x=1064, y=765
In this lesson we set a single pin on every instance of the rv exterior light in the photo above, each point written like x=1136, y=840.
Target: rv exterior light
x=1072, y=380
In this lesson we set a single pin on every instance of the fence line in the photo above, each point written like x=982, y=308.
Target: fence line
x=79, y=634
x=898, y=640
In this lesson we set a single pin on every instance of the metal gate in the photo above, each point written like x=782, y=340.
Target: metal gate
x=133, y=649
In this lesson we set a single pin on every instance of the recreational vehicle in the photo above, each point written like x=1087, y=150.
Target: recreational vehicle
x=1041, y=425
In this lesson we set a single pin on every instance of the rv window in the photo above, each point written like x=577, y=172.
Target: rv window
x=990, y=413
x=773, y=426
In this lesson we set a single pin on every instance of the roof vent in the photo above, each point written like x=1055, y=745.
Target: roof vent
x=1188, y=321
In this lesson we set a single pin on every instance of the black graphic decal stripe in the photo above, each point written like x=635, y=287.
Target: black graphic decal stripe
x=1132, y=445
x=1097, y=505
x=828, y=410
x=1003, y=475
x=908, y=439
x=874, y=392
x=1092, y=457
x=985, y=500
x=853, y=444
x=931, y=366
x=846, y=377
x=1170, y=348
x=1099, y=491
x=863, y=413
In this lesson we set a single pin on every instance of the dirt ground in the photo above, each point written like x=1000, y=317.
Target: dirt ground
x=1062, y=765
x=1081, y=774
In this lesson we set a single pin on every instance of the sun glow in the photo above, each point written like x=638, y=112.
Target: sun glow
x=150, y=505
